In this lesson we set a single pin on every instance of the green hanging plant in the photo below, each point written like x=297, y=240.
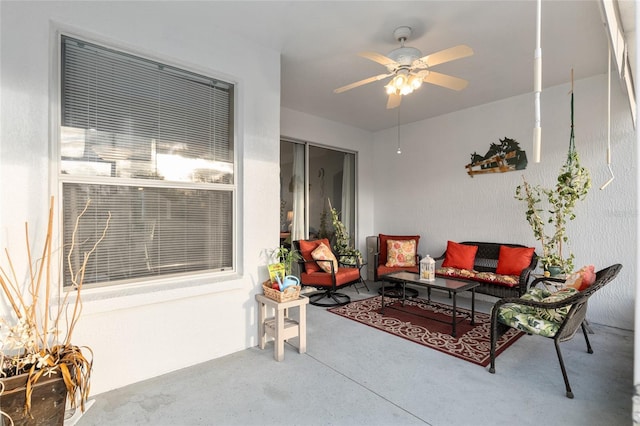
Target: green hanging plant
x=572, y=185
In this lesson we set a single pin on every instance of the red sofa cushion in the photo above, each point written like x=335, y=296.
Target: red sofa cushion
x=512, y=260
x=384, y=270
x=322, y=279
x=483, y=277
x=461, y=256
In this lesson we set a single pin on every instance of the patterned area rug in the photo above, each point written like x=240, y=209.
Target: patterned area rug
x=471, y=344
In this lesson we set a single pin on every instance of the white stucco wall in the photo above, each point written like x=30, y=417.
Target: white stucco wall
x=140, y=332
x=441, y=202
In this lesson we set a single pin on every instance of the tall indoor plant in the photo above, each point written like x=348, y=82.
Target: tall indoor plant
x=37, y=330
x=342, y=245
x=554, y=206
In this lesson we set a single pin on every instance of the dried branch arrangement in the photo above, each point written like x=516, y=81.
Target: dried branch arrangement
x=38, y=329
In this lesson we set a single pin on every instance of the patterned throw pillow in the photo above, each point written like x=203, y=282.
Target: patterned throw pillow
x=382, y=244
x=556, y=315
x=322, y=252
x=401, y=253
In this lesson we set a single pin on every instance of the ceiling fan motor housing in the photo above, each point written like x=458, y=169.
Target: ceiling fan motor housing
x=404, y=56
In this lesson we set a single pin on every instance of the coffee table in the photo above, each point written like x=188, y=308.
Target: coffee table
x=446, y=284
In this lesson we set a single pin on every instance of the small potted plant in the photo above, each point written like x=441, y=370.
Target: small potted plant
x=287, y=256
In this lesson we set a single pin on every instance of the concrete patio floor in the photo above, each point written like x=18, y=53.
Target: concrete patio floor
x=353, y=374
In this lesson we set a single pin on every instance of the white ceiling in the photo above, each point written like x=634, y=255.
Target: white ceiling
x=319, y=42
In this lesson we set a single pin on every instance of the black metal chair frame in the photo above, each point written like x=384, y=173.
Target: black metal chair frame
x=333, y=296
x=574, y=319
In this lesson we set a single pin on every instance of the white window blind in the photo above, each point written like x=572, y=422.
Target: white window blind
x=152, y=145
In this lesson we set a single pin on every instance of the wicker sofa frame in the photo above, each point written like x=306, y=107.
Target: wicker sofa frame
x=487, y=261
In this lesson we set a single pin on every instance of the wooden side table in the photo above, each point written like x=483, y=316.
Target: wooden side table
x=280, y=327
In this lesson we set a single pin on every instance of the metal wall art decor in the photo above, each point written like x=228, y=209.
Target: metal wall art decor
x=503, y=157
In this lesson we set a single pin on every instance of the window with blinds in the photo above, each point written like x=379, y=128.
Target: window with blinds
x=151, y=145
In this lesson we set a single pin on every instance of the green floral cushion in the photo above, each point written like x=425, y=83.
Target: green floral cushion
x=536, y=294
x=534, y=320
x=556, y=315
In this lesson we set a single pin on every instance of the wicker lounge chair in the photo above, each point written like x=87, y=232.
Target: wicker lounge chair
x=558, y=320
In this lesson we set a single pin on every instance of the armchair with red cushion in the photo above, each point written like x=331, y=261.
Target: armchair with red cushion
x=402, y=257
x=320, y=268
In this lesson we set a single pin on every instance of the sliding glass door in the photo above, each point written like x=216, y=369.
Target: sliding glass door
x=313, y=180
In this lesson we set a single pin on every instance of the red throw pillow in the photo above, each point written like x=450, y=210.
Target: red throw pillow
x=306, y=247
x=512, y=260
x=581, y=279
x=382, y=257
x=461, y=256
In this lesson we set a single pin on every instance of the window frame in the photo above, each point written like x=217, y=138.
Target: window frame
x=170, y=281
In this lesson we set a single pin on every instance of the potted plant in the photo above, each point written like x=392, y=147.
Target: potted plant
x=554, y=206
x=286, y=256
x=37, y=335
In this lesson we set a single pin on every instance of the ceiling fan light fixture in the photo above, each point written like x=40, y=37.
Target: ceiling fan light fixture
x=391, y=89
x=399, y=81
x=406, y=89
x=403, y=85
x=415, y=82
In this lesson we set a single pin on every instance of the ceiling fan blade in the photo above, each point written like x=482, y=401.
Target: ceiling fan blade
x=361, y=82
x=446, y=55
x=394, y=100
x=450, y=82
x=381, y=59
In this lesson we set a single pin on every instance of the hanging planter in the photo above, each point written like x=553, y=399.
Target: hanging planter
x=555, y=206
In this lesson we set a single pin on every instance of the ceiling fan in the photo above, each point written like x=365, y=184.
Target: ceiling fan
x=410, y=69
